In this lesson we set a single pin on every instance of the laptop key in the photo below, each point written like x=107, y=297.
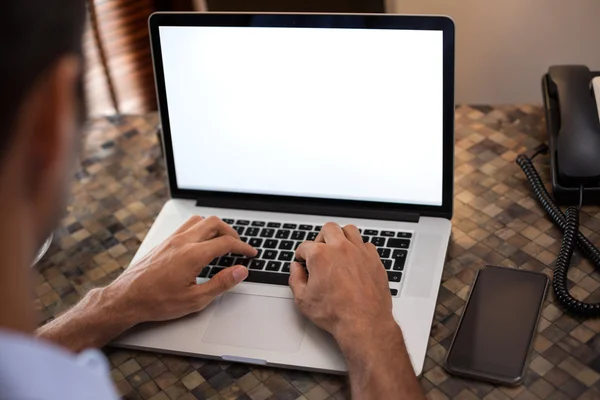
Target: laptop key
x=273, y=278
x=297, y=245
x=273, y=266
x=252, y=231
x=214, y=271
x=204, y=273
x=286, y=267
x=286, y=256
x=298, y=235
x=405, y=235
x=274, y=225
x=244, y=239
x=371, y=232
x=257, y=264
x=242, y=222
x=255, y=242
x=215, y=261
x=258, y=223
x=398, y=243
x=318, y=228
x=267, y=233
x=387, y=264
x=228, y=221
x=226, y=261
x=394, y=292
x=270, y=254
x=311, y=236
x=271, y=244
x=394, y=276
x=388, y=233
x=365, y=239
x=305, y=227
x=399, y=264
x=242, y=261
x=290, y=226
x=239, y=229
x=282, y=234
x=379, y=241
x=399, y=254
x=384, y=253
x=286, y=245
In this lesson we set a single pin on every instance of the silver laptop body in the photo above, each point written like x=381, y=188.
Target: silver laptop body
x=279, y=123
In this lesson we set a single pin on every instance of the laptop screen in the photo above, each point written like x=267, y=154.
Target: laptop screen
x=351, y=114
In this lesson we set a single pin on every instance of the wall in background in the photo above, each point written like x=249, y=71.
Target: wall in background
x=504, y=47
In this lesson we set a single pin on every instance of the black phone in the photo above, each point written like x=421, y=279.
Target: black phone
x=573, y=125
x=495, y=333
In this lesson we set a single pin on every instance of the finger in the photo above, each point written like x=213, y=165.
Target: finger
x=223, y=281
x=210, y=228
x=206, y=251
x=353, y=235
x=193, y=220
x=331, y=233
x=298, y=280
x=306, y=252
x=320, y=238
x=305, y=249
x=372, y=250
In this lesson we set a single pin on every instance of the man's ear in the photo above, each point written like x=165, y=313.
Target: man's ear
x=48, y=130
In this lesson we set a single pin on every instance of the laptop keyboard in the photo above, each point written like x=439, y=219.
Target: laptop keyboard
x=277, y=242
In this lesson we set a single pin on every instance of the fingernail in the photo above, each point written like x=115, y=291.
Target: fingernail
x=239, y=274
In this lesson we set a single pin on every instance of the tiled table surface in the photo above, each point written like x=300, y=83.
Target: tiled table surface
x=120, y=187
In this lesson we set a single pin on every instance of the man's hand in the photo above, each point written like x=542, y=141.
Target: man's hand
x=162, y=285
x=346, y=293
x=348, y=290
x=159, y=287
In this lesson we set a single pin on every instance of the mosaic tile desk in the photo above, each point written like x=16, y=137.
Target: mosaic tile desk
x=120, y=187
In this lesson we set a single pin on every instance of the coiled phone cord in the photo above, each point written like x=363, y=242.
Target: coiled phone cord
x=569, y=223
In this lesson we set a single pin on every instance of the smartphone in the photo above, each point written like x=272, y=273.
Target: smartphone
x=496, y=331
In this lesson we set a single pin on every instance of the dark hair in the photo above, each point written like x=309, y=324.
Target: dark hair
x=34, y=34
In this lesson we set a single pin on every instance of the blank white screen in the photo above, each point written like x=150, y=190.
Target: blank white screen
x=329, y=113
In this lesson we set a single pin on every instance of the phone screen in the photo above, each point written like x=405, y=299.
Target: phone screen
x=498, y=324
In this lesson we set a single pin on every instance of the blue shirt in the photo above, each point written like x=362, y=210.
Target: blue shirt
x=32, y=369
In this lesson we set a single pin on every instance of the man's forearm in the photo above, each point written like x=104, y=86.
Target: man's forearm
x=379, y=366
x=97, y=319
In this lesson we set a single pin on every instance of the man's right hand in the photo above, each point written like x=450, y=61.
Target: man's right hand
x=347, y=293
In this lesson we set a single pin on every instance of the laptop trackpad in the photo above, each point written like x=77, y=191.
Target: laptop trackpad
x=257, y=322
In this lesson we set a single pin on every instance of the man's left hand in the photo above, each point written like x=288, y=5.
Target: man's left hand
x=162, y=285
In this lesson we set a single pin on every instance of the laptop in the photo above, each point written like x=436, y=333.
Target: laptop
x=279, y=123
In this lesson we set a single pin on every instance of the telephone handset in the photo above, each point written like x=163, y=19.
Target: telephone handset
x=574, y=131
x=578, y=144
x=572, y=100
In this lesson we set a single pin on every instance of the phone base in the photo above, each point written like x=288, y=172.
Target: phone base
x=563, y=195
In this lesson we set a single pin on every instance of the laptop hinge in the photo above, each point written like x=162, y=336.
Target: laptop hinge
x=310, y=209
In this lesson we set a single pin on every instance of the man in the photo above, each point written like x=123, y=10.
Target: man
x=42, y=112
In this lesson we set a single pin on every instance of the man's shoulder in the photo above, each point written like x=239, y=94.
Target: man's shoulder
x=35, y=369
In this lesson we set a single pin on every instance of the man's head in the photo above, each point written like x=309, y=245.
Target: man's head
x=41, y=110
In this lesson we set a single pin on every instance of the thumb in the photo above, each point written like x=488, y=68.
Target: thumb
x=225, y=280
x=298, y=279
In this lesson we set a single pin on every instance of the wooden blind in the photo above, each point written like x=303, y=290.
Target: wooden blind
x=119, y=29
